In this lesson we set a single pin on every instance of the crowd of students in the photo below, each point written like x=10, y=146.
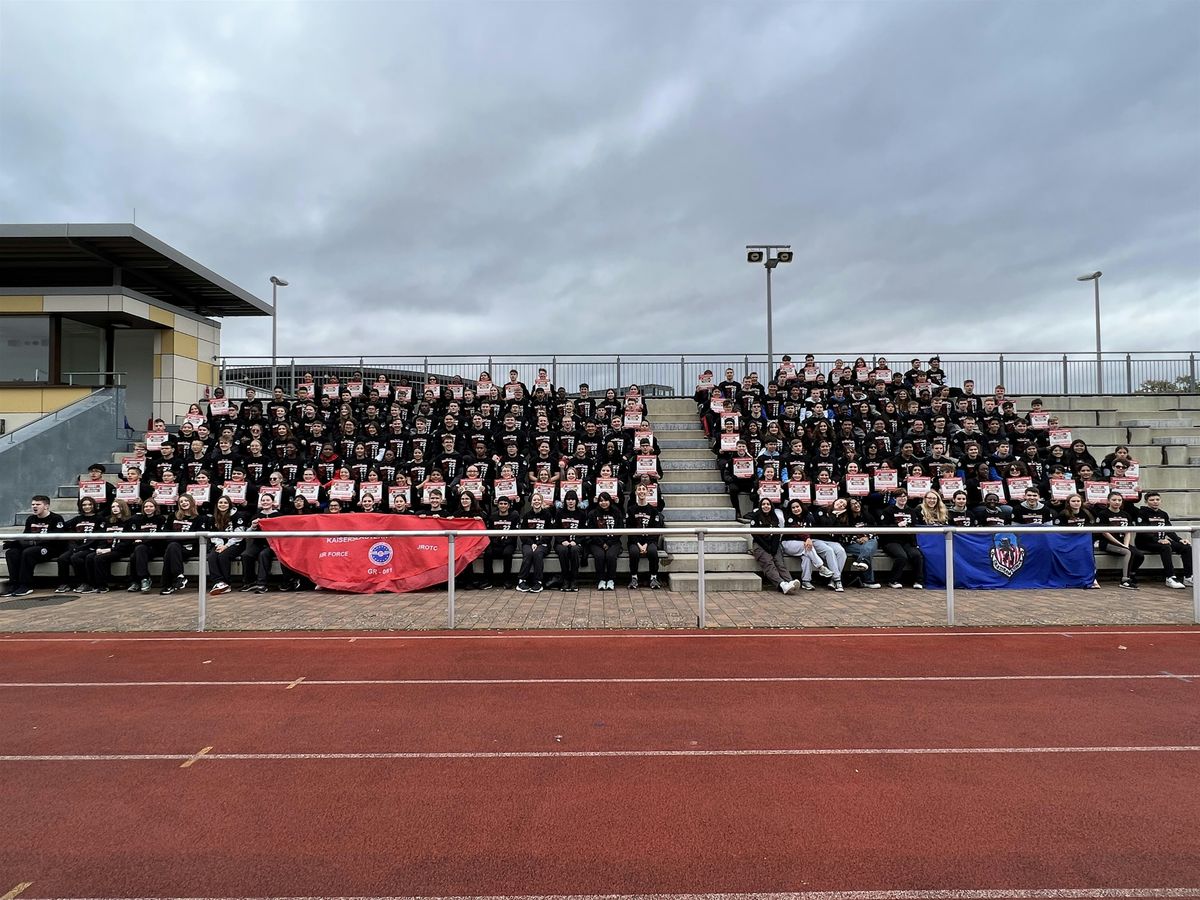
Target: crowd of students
x=862, y=446
x=500, y=453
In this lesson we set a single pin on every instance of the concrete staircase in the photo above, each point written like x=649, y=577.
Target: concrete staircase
x=695, y=496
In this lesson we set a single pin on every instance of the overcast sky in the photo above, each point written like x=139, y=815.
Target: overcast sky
x=464, y=177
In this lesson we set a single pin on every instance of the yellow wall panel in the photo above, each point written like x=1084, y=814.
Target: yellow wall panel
x=26, y=304
x=39, y=400
x=157, y=366
x=162, y=317
x=185, y=345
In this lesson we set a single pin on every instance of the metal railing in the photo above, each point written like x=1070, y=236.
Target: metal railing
x=95, y=379
x=700, y=533
x=676, y=375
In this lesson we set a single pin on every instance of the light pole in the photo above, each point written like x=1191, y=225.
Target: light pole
x=762, y=253
x=1094, y=277
x=276, y=284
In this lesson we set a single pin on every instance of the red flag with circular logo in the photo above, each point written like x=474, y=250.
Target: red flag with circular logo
x=370, y=563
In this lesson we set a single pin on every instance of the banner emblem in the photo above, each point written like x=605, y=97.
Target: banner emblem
x=1007, y=554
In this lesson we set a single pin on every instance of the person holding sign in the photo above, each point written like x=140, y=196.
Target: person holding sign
x=100, y=491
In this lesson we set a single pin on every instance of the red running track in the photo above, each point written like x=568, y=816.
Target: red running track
x=553, y=822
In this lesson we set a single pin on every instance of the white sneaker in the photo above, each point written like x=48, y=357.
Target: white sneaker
x=806, y=585
x=1187, y=581
x=786, y=586
x=918, y=585
x=1175, y=583
x=825, y=572
x=837, y=588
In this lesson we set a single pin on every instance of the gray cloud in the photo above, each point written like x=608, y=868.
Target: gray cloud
x=540, y=177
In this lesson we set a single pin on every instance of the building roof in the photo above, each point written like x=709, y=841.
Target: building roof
x=49, y=256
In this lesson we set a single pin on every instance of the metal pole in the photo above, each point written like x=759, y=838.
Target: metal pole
x=770, y=335
x=1195, y=536
x=682, y=377
x=274, y=328
x=291, y=380
x=202, y=559
x=949, y=577
x=1002, y=369
x=450, y=583
x=1128, y=374
x=1064, y=373
x=554, y=370
x=618, y=374
x=1099, y=361
x=701, y=617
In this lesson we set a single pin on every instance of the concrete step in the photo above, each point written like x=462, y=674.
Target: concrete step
x=666, y=405
x=714, y=562
x=1170, y=478
x=1178, y=422
x=676, y=454
x=699, y=514
x=700, y=464
x=1101, y=437
x=693, y=501
x=692, y=417
x=722, y=544
x=672, y=443
x=674, y=476
x=692, y=487
x=689, y=582
x=1189, y=440
x=685, y=425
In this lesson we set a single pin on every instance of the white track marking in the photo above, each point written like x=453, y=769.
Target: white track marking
x=963, y=894
x=302, y=681
x=592, y=754
x=615, y=634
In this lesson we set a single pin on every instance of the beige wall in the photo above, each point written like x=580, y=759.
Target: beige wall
x=183, y=356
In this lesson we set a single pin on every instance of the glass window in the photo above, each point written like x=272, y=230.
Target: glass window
x=24, y=348
x=82, y=353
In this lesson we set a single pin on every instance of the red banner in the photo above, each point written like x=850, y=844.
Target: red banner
x=371, y=564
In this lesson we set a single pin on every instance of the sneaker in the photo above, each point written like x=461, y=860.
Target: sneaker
x=654, y=585
x=1128, y=584
x=247, y=588
x=522, y=587
x=612, y=585
x=169, y=589
x=535, y=588
x=145, y=586
x=21, y=592
x=86, y=589
x=825, y=572
x=220, y=588
x=633, y=583
x=837, y=587
x=1187, y=581
x=63, y=589
x=918, y=585
x=787, y=586
x=180, y=582
x=1175, y=583
x=103, y=589
x=805, y=585
x=261, y=589
x=872, y=585
x=895, y=584
x=859, y=566
x=133, y=588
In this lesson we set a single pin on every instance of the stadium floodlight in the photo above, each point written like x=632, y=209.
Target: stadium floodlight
x=276, y=284
x=1094, y=277
x=762, y=253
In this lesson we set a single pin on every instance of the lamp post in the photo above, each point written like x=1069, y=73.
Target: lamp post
x=276, y=284
x=1094, y=277
x=770, y=255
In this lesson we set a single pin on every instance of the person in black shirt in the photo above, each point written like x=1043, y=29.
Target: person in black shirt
x=643, y=515
x=1120, y=543
x=186, y=518
x=991, y=512
x=1031, y=510
x=534, y=548
x=149, y=521
x=23, y=556
x=902, y=548
x=605, y=546
x=569, y=548
x=74, y=555
x=505, y=518
x=1166, y=543
x=98, y=562
x=958, y=513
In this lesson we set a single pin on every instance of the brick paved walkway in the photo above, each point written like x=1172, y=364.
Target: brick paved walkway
x=119, y=611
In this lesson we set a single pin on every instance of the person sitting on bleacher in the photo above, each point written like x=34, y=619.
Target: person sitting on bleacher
x=185, y=518
x=1165, y=542
x=150, y=519
x=1117, y=515
x=73, y=555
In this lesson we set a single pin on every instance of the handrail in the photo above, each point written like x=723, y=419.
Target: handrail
x=70, y=376
x=699, y=532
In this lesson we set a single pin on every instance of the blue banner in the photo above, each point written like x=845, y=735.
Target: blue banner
x=1011, y=560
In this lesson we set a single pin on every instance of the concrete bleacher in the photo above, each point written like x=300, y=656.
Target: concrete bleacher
x=1162, y=432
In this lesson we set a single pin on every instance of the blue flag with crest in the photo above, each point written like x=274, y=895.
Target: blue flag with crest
x=1011, y=560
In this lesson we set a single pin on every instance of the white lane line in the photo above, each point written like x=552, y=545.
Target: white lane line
x=302, y=681
x=1187, y=630
x=595, y=754
x=961, y=894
